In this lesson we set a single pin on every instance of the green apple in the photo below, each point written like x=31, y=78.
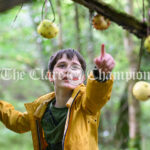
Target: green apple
x=47, y=29
x=147, y=44
x=141, y=90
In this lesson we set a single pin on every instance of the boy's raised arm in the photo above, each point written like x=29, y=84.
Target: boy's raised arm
x=99, y=83
x=13, y=119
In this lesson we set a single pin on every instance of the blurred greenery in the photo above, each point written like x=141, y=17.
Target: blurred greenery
x=22, y=49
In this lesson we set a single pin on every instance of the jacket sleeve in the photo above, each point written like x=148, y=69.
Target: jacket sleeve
x=12, y=119
x=97, y=94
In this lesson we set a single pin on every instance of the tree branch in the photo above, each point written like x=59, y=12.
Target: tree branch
x=8, y=4
x=125, y=20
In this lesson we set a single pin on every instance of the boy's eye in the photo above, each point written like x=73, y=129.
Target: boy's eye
x=75, y=67
x=61, y=65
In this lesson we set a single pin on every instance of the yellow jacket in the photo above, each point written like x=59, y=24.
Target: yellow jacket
x=81, y=128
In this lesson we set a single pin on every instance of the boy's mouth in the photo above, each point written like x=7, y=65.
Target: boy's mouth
x=65, y=78
x=74, y=78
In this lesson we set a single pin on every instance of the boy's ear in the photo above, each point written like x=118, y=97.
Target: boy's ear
x=50, y=76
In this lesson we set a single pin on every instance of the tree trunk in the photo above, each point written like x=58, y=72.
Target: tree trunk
x=90, y=43
x=134, y=107
x=122, y=127
x=77, y=26
x=60, y=41
x=100, y=131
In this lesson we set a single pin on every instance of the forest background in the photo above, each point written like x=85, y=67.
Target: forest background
x=24, y=55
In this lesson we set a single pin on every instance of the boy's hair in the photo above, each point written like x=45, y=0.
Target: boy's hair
x=70, y=53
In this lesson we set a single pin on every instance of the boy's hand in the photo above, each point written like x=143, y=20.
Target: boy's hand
x=105, y=62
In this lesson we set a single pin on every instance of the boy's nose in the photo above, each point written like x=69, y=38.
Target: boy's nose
x=67, y=71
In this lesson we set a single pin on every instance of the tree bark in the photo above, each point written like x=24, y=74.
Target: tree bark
x=8, y=4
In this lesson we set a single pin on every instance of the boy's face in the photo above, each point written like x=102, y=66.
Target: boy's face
x=67, y=73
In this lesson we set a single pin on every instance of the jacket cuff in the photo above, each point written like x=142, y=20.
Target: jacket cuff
x=100, y=77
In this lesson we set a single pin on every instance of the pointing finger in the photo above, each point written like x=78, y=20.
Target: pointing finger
x=102, y=51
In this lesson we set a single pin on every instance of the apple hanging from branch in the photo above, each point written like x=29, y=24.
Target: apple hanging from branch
x=141, y=90
x=47, y=29
x=147, y=44
x=100, y=22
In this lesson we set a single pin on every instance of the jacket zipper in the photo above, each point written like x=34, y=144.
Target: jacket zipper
x=63, y=141
x=38, y=132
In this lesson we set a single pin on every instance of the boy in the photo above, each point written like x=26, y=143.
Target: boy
x=68, y=118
